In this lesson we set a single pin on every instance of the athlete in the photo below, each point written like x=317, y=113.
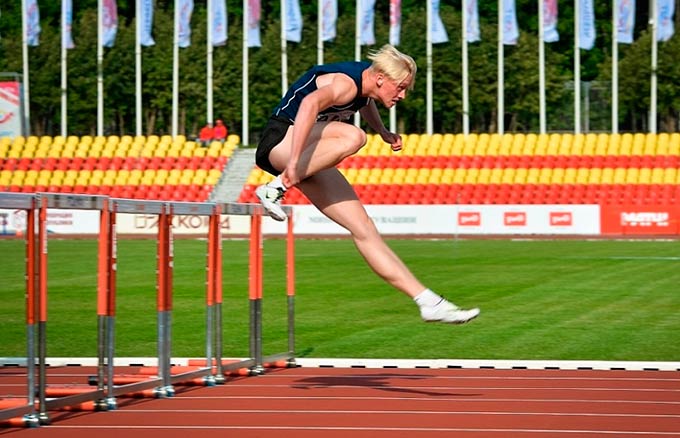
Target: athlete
x=308, y=134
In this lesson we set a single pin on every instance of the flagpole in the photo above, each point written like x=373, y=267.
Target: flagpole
x=319, y=32
x=100, y=73
x=63, y=69
x=284, y=48
x=175, y=70
x=654, y=18
x=209, y=63
x=244, y=78
x=615, y=68
x=577, y=68
x=24, y=50
x=357, y=48
x=466, y=98
x=541, y=65
x=428, y=60
x=138, y=69
x=500, y=117
x=393, y=109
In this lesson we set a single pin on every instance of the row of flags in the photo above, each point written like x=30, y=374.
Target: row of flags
x=329, y=9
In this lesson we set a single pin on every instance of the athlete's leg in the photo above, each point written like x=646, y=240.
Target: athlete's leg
x=328, y=144
x=330, y=192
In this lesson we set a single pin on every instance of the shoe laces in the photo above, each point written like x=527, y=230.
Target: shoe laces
x=279, y=193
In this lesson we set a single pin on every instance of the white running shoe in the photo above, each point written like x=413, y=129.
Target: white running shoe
x=271, y=197
x=448, y=313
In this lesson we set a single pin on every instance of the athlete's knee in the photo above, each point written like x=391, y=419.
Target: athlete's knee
x=355, y=139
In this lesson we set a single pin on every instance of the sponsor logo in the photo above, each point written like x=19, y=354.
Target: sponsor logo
x=515, y=219
x=645, y=219
x=560, y=219
x=470, y=219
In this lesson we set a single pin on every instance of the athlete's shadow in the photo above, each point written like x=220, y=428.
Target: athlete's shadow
x=383, y=382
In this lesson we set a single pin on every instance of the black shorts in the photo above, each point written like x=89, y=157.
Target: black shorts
x=273, y=134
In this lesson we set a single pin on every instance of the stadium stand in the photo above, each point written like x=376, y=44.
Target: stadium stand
x=431, y=169
x=511, y=169
x=137, y=167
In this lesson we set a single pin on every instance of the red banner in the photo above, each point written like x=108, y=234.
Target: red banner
x=640, y=219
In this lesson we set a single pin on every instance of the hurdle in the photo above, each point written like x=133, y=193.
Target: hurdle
x=104, y=397
x=22, y=411
x=287, y=358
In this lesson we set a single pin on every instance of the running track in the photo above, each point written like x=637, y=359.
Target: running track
x=386, y=402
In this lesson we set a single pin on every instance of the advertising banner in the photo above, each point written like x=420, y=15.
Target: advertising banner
x=10, y=109
x=641, y=219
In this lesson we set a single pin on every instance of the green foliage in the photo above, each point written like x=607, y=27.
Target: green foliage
x=520, y=72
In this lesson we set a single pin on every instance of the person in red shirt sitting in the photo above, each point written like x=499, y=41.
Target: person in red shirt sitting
x=220, y=131
x=206, y=135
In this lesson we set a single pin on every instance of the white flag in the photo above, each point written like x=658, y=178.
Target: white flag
x=367, y=33
x=330, y=19
x=510, y=29
x=254, y=12
x=186, y=7
x=626, y=21
x=145, y=23
x=293, y=21
x=438, y=33
x=67, y=22
x=109, y=22
x=395, y=22
x=550, y=34
x=472, y=33
x=32, y=16
x=586, y=25
x=220, y=23
x=665, y=10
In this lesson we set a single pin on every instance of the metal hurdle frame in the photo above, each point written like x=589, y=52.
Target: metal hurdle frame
x=106, y=392
x=27, y=202
x=256, y=264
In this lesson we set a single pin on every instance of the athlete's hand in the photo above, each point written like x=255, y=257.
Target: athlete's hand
x=290, y=176
x=393, y=139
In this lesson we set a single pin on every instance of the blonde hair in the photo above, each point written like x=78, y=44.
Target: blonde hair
x=394, y=64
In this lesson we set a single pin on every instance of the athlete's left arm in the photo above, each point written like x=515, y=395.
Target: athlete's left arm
x=371, y=114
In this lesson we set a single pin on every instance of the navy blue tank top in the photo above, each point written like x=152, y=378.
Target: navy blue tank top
x=290, y=103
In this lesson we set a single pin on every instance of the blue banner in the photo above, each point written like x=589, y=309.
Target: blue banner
x=145, y=22
x=367, y=33
x=186, y=7
x=510, y=28
x=32, y=16
x=254, y=12
x=293, y=21
x=666, y=28
x=586, y=24
x=219, y=23
x=330, y=19
x=109, y=22
x=395, y=22
x=67, y=22
x=550, y=34
x=438, y=32
x=626, y=21
x=472, y=34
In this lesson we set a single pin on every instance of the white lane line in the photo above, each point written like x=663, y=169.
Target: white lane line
x=430, y=399
x=381, y=412
x=618, y=433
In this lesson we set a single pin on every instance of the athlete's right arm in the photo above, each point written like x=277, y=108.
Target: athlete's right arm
x=333, y=89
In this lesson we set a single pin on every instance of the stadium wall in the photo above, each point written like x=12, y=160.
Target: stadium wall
x=398, y=220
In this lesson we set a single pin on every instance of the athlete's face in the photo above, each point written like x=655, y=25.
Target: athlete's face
x=392, y=91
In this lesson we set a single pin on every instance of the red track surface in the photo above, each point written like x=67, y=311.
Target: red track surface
x=387, y=402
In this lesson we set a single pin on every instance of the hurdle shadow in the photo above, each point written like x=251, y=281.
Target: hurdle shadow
x=380, y=382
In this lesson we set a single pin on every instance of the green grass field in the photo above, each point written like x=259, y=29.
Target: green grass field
x=541, y=299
